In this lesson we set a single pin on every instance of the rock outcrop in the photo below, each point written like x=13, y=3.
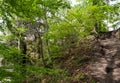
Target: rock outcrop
x=106, y=67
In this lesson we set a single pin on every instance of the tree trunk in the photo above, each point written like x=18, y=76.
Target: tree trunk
x=23, y=48
x=40, y=50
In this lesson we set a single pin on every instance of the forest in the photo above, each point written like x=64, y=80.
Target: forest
x=58, y=41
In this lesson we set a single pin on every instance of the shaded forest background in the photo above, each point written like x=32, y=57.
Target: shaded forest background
x=50, y=41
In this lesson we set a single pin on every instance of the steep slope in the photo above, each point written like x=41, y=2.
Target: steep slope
x=106, y=67
x=95, y=61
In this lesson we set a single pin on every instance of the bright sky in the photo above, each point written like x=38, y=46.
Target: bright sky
x=73, y=2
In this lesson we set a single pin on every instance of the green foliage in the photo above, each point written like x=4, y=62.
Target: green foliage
x=55, y=27
x=6, y=51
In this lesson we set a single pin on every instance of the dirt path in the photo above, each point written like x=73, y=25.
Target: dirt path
x=106, y=69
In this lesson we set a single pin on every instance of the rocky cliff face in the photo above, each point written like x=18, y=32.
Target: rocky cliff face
x=106, y=67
